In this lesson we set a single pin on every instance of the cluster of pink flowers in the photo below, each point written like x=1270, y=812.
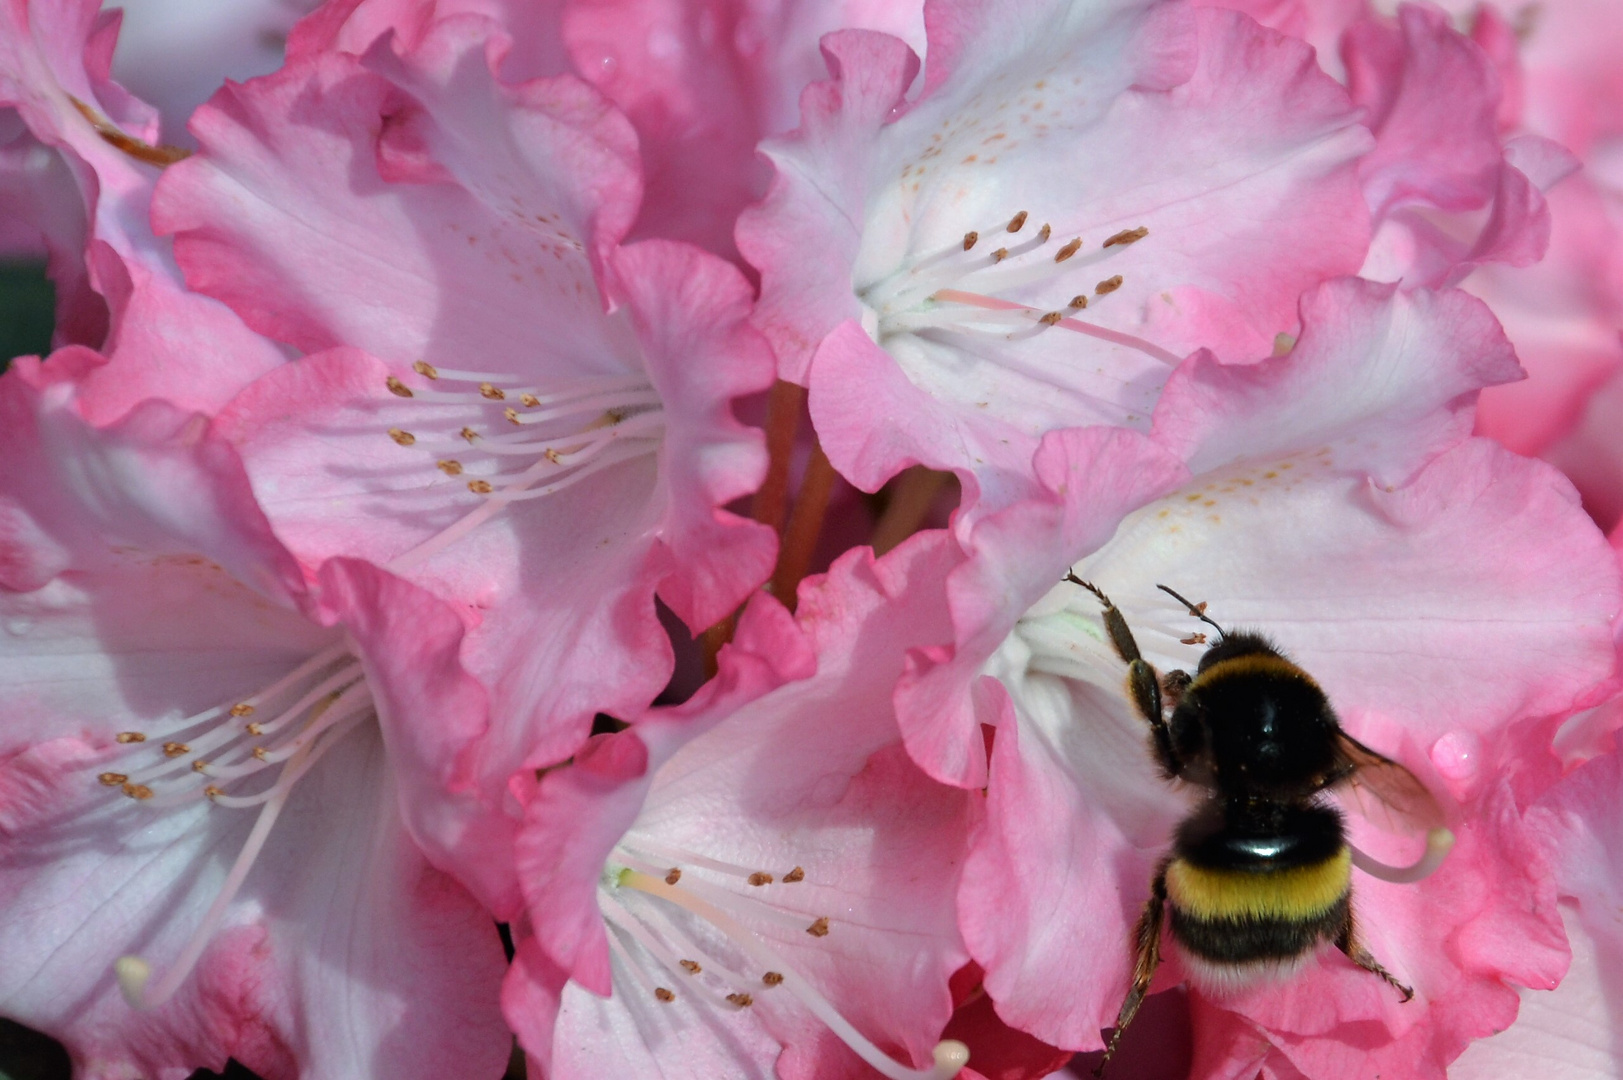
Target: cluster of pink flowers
x=412, y=440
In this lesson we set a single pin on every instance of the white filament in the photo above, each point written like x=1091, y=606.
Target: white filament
x=1439, y=842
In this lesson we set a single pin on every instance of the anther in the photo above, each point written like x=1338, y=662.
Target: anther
x=552, y=455
x=253, y=728
x=511, y=414
x=743, y=1001
x=479, y=487
x=138, y=791
x=664, y=995
x=1128, y=236
x=1017, y=222
x=212, y=792
x=260, y=752
x=970, y=238
x=469, y=434
x=673, y=877
x=200, y=765
x=1051, y=318
x=1068, y=250
x=530, y=400
x=425, y=369
x=1193, y=639
x=1108, y=285
x=398, y=388
x=690, y=966
x=242, y=710
x=175, y=749
x=492, y=392
x=130, y=736
x=797, y=874
x=450, y=467
x=1044, y=233
x=772, y=978
x=759, y=878
x=401, y=436
x=1078, y=302
x=819, y=928
x=113, y=779
x=1000, y=254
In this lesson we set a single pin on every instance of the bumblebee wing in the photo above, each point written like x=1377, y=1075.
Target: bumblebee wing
x=1385, y=789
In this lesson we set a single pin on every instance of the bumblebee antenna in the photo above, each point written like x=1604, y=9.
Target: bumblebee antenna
x=1197, y=610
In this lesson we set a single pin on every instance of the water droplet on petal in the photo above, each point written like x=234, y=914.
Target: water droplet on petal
x=1458, y=757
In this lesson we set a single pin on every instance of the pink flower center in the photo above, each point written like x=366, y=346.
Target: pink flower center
x=505, y=441
x=243, y=753
x=680, y=930
x=962, y=289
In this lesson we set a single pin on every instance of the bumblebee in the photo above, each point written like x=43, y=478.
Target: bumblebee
x=1259, y=875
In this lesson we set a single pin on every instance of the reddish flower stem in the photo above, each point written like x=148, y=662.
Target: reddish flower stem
x=911, y=496
x=805, y=526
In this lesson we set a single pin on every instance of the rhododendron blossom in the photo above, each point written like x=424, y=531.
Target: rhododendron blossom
x=193, y=791
x=1073, y=202
x=1327, y=498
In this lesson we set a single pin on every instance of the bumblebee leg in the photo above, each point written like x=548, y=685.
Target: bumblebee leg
x=1147, y=947
x=1348, y=943
x=1143, y=685
x=1173, y=684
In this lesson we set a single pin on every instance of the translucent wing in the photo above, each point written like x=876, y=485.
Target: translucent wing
x=1386, y=790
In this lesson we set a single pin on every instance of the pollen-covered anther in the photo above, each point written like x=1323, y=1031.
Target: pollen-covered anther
x=469, y=434
x=552, y=455
x=1017, y=222
x=511, y=414
x=175, y=749
x=450, y=467
x=797, y=874
x=529, y=401
x=743, y=1001
x=673, y=877
x=212, y=792
x=200, y=765
x=398, y=388
x=1078, y=302
x=492, y=392
x=759, y=878
x=970, y=238
x=425, y=369
x=1052, y=318
x=113, y=779
x=772, y=978
x=242, y=710
x=480, y=487
x=402, y=436
x=664, y=995
x=819, y=928
x=690, y=966
x=129, y=737
x=137, y=791
x=1193, y=639
x=253, y=728
x=1071, y=248
x=1127, y=236
x=260, y=752
x=1108, y=285
x=1000, y=254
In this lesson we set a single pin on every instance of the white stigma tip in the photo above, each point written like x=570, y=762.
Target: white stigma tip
x=950, y=1056
x=1439, y=842
x=132, y=973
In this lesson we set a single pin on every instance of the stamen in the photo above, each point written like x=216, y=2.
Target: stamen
x=398, y=388
x=1017, y=222
x=1439, y=842
x=242, y=710
x=673, y=877
x=819, y=928
x=425, y=369
x=491, y=392
x=743, y=1001
x=690, y=966
x=129, y=737
x=970, y=238
x=797, y=874
x=1076, y=325
x=175, y=749
x=950, y=1056
x=773, y=978
x=450, y=467
x=760, y=879
x=1108, y=285
x=1127, y=236
x=134, y=974
x=1068, y=250
x=664, y=994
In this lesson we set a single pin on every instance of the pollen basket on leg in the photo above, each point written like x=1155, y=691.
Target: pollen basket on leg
x=488, y=439
x=721, y=934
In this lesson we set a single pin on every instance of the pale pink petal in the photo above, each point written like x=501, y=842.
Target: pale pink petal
x=1092, y=478
x=1386, y=379
x=416, y=207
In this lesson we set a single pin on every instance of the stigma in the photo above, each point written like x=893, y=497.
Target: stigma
x=241, y=753
x=684, y=926
x=966, y=287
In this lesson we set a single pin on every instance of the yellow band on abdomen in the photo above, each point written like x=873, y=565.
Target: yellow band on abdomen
x=1298, y=892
